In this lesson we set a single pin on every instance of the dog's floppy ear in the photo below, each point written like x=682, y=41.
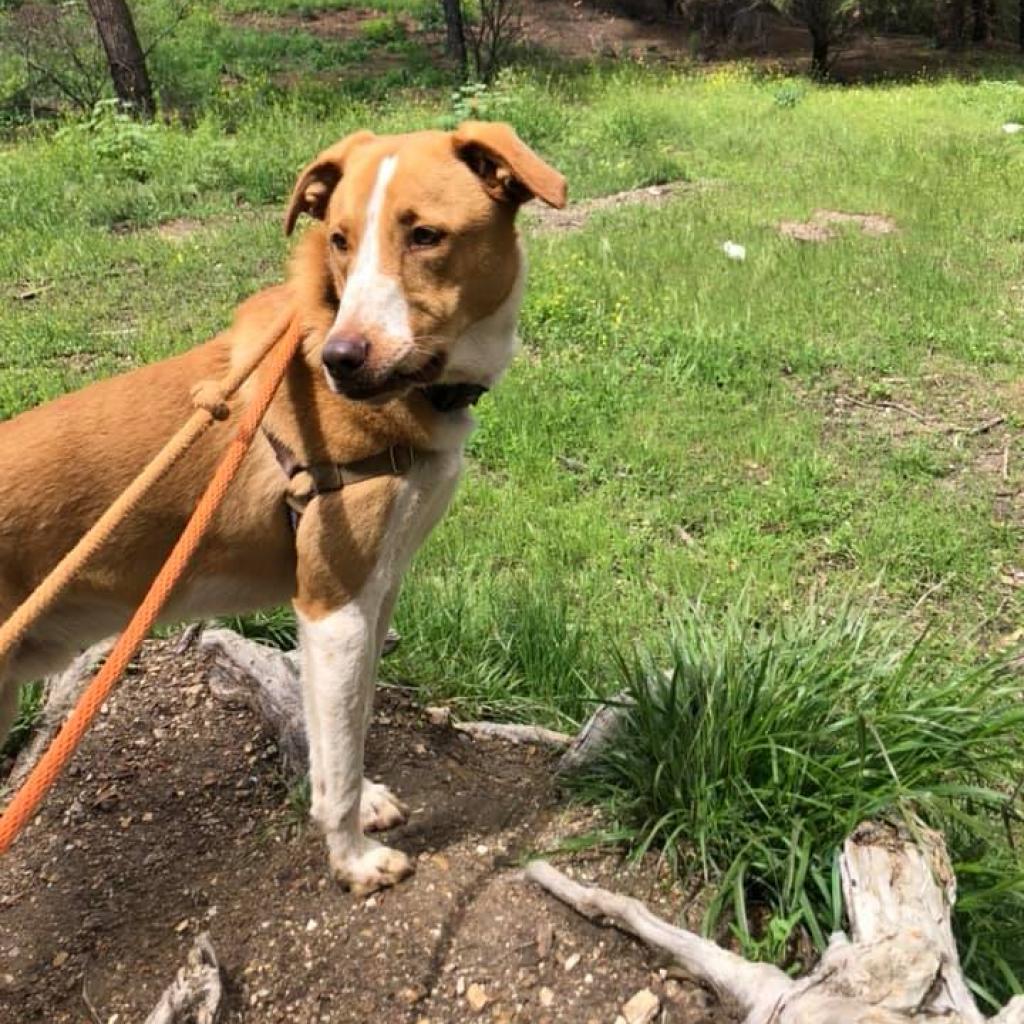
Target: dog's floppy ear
x=510, y=171
x=315, y=184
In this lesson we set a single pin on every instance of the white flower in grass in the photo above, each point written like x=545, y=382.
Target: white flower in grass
x=735, y=251
x=1012, y=127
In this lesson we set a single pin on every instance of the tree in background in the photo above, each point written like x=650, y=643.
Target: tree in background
x=125, y=58
x=455, y=34
x=483, y=35
x=828, y=21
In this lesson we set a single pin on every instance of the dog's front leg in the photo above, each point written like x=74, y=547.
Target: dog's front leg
x=339, y=661
x=346, y=589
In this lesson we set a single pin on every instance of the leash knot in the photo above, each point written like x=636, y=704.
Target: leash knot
x=211, y=396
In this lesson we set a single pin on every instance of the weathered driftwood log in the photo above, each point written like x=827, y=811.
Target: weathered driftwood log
x=899, y=962
x=598, y=732
x=60, y=692
x=196, y=994
x=267, y=680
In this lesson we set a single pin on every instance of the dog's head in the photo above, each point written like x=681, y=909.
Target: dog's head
x=422, y=258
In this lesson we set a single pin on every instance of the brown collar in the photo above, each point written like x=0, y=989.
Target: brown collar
x=308, y=482
x=451, y=397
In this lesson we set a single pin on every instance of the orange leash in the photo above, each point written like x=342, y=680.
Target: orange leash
x=42, y=777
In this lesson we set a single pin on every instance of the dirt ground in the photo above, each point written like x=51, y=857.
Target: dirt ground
x=174, y=819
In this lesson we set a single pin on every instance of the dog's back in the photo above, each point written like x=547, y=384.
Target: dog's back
x=64, y=463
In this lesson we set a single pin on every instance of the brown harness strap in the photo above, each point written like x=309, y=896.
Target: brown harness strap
x=308, y=482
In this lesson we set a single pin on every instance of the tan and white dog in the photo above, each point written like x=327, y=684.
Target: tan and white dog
x=407, y=295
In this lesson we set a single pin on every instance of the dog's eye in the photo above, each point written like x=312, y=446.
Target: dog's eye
x=339, y=241
x=423, y=237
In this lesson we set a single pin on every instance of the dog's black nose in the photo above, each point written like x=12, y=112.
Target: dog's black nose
x=344, y=354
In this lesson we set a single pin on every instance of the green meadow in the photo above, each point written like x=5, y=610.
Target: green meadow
x=822, y=425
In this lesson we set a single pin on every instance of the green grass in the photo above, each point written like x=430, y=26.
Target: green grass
x=767, y=742
x=30, y=707
x=678, y=424
x=687, y=432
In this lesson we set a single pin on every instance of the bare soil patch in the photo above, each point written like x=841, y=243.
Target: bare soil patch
x=536, y=217
x=180, y=229
x=340, y=24
x=174, y=819
x=638, y=30
x=825, y=225
x=576, y=215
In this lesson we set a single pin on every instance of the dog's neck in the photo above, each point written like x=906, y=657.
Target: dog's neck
x=481, y=355
x=453, y=397
x=476, y=362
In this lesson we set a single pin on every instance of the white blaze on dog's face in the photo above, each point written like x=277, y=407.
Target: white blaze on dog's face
x=423, y=255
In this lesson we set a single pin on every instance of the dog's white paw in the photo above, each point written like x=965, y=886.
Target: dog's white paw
x=379, y=808
x=376, y=867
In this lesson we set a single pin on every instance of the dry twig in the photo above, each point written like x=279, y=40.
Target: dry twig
x=196, y=994
x=512, y=733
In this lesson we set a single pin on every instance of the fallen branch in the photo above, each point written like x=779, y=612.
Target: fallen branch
x=931, y=422
x=899, y=963
x=61, y=692
x=984, y=428
x=196, y=994
x=267, y=680
x=598, y=733
x=189, y=635
x=511, y=733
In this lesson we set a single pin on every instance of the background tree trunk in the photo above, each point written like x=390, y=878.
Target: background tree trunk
x=951, y=23
x=984, y=17
x=455, y=34
x=957, y=24
x=819, y=53
x=124, y=54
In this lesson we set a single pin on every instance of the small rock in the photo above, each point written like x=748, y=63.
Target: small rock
x=460, y=986
x=60, y=959
x=311, y=925
x=411, y=994
x=477, y=997
x=572, y=961
x=181, y=926
x=642, y=1008
x=735, y=251
x=546, y=997
x=437, y=715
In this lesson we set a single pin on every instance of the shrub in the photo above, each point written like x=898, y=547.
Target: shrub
x=766, y=743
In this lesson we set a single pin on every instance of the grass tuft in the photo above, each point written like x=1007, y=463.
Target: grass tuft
x=766, y=742
x=30, y=708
